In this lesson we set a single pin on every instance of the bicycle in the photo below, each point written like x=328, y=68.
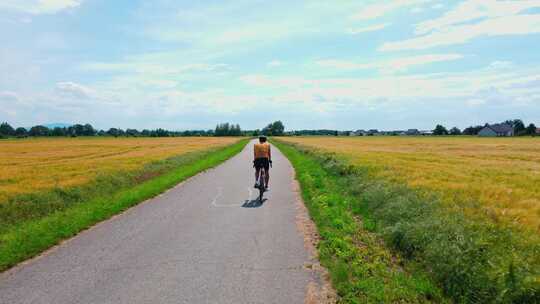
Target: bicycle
x=260, y=186
x=261, y=182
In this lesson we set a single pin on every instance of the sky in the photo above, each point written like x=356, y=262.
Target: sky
x=340, y=64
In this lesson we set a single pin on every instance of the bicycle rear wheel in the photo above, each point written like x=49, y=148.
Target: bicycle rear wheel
x=262, y=179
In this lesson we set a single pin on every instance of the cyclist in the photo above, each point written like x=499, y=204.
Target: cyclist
x=262, y=158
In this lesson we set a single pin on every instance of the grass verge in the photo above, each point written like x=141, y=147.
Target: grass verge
x=362, y=269
x=472, y=259
x=30, y=224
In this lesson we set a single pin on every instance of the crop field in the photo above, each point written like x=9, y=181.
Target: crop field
x=39, y=164
x=503, y=174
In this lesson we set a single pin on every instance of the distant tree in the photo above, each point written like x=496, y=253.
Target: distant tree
x=222, y=129
x=75, y=130
x=518, y=125
x=226, y=129
x=39, y=131
x=161, y=133
x=472, y=130
x=531, y=129
x=235, y=130
x=274, y=129
x=21, y=132
x=88, y=130
x=321, y=132
x=278, y=128
x=101, y=133
x=145, y=133
x=58, y=131
x=113, y=132
x=6, y=129
x=440, y=130
x=267, y=130
x=455, y=131
x=132, y=132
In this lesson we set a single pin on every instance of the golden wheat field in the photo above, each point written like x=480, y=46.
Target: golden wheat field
x=503, y=174
x=31, y=165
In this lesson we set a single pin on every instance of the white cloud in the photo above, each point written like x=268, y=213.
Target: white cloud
x=284, y=82
x=500, y=64
x=37, y=7
x=8, y=97
x=381, y=8
x=513, y=25
x=406, y=62
x=74, y=90
x=154, y=64
x=476, y=9
x=390, y=66
x=370, y=28
x=475, y=102
x=344, y=64
x=437, y=6
x=482, y=84
x=472, y=19
x=275, y=63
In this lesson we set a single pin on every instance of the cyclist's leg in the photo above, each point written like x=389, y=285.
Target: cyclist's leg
x=257, y=173
x=267, y=175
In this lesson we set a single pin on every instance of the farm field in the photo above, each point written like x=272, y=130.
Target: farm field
x=32, y=165
x=502, y=174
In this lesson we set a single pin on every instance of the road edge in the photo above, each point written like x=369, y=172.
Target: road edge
x=320, y=291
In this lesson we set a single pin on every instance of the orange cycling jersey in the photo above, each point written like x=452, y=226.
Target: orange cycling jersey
x=262, y=150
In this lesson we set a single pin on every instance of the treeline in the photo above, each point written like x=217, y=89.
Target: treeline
x=517, y=124
x=321, y=132
x=226, y=129
x=6, y=130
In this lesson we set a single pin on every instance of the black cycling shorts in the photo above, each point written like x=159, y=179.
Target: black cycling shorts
x=262, y=163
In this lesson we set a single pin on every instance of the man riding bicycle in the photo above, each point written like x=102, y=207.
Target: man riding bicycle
x=262, y=158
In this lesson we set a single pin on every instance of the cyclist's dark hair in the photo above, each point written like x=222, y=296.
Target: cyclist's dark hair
x=262, y=138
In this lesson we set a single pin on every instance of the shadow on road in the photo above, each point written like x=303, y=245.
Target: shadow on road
x=253, y=203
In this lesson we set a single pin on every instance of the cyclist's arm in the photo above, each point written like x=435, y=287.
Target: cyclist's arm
x=269, y=153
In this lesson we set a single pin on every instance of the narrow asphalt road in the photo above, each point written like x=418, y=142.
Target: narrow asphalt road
x=204, y=241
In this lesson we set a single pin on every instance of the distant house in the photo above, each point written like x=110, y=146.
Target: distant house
x=538, y=131
x=358, y=133
x=412, y=132
x=497, y=130
x=426, y=132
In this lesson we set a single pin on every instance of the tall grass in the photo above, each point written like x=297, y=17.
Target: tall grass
x=32, y=223
x=471, y=257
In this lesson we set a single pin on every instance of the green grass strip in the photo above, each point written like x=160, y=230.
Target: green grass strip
x=362, y=269
x=31, y=237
